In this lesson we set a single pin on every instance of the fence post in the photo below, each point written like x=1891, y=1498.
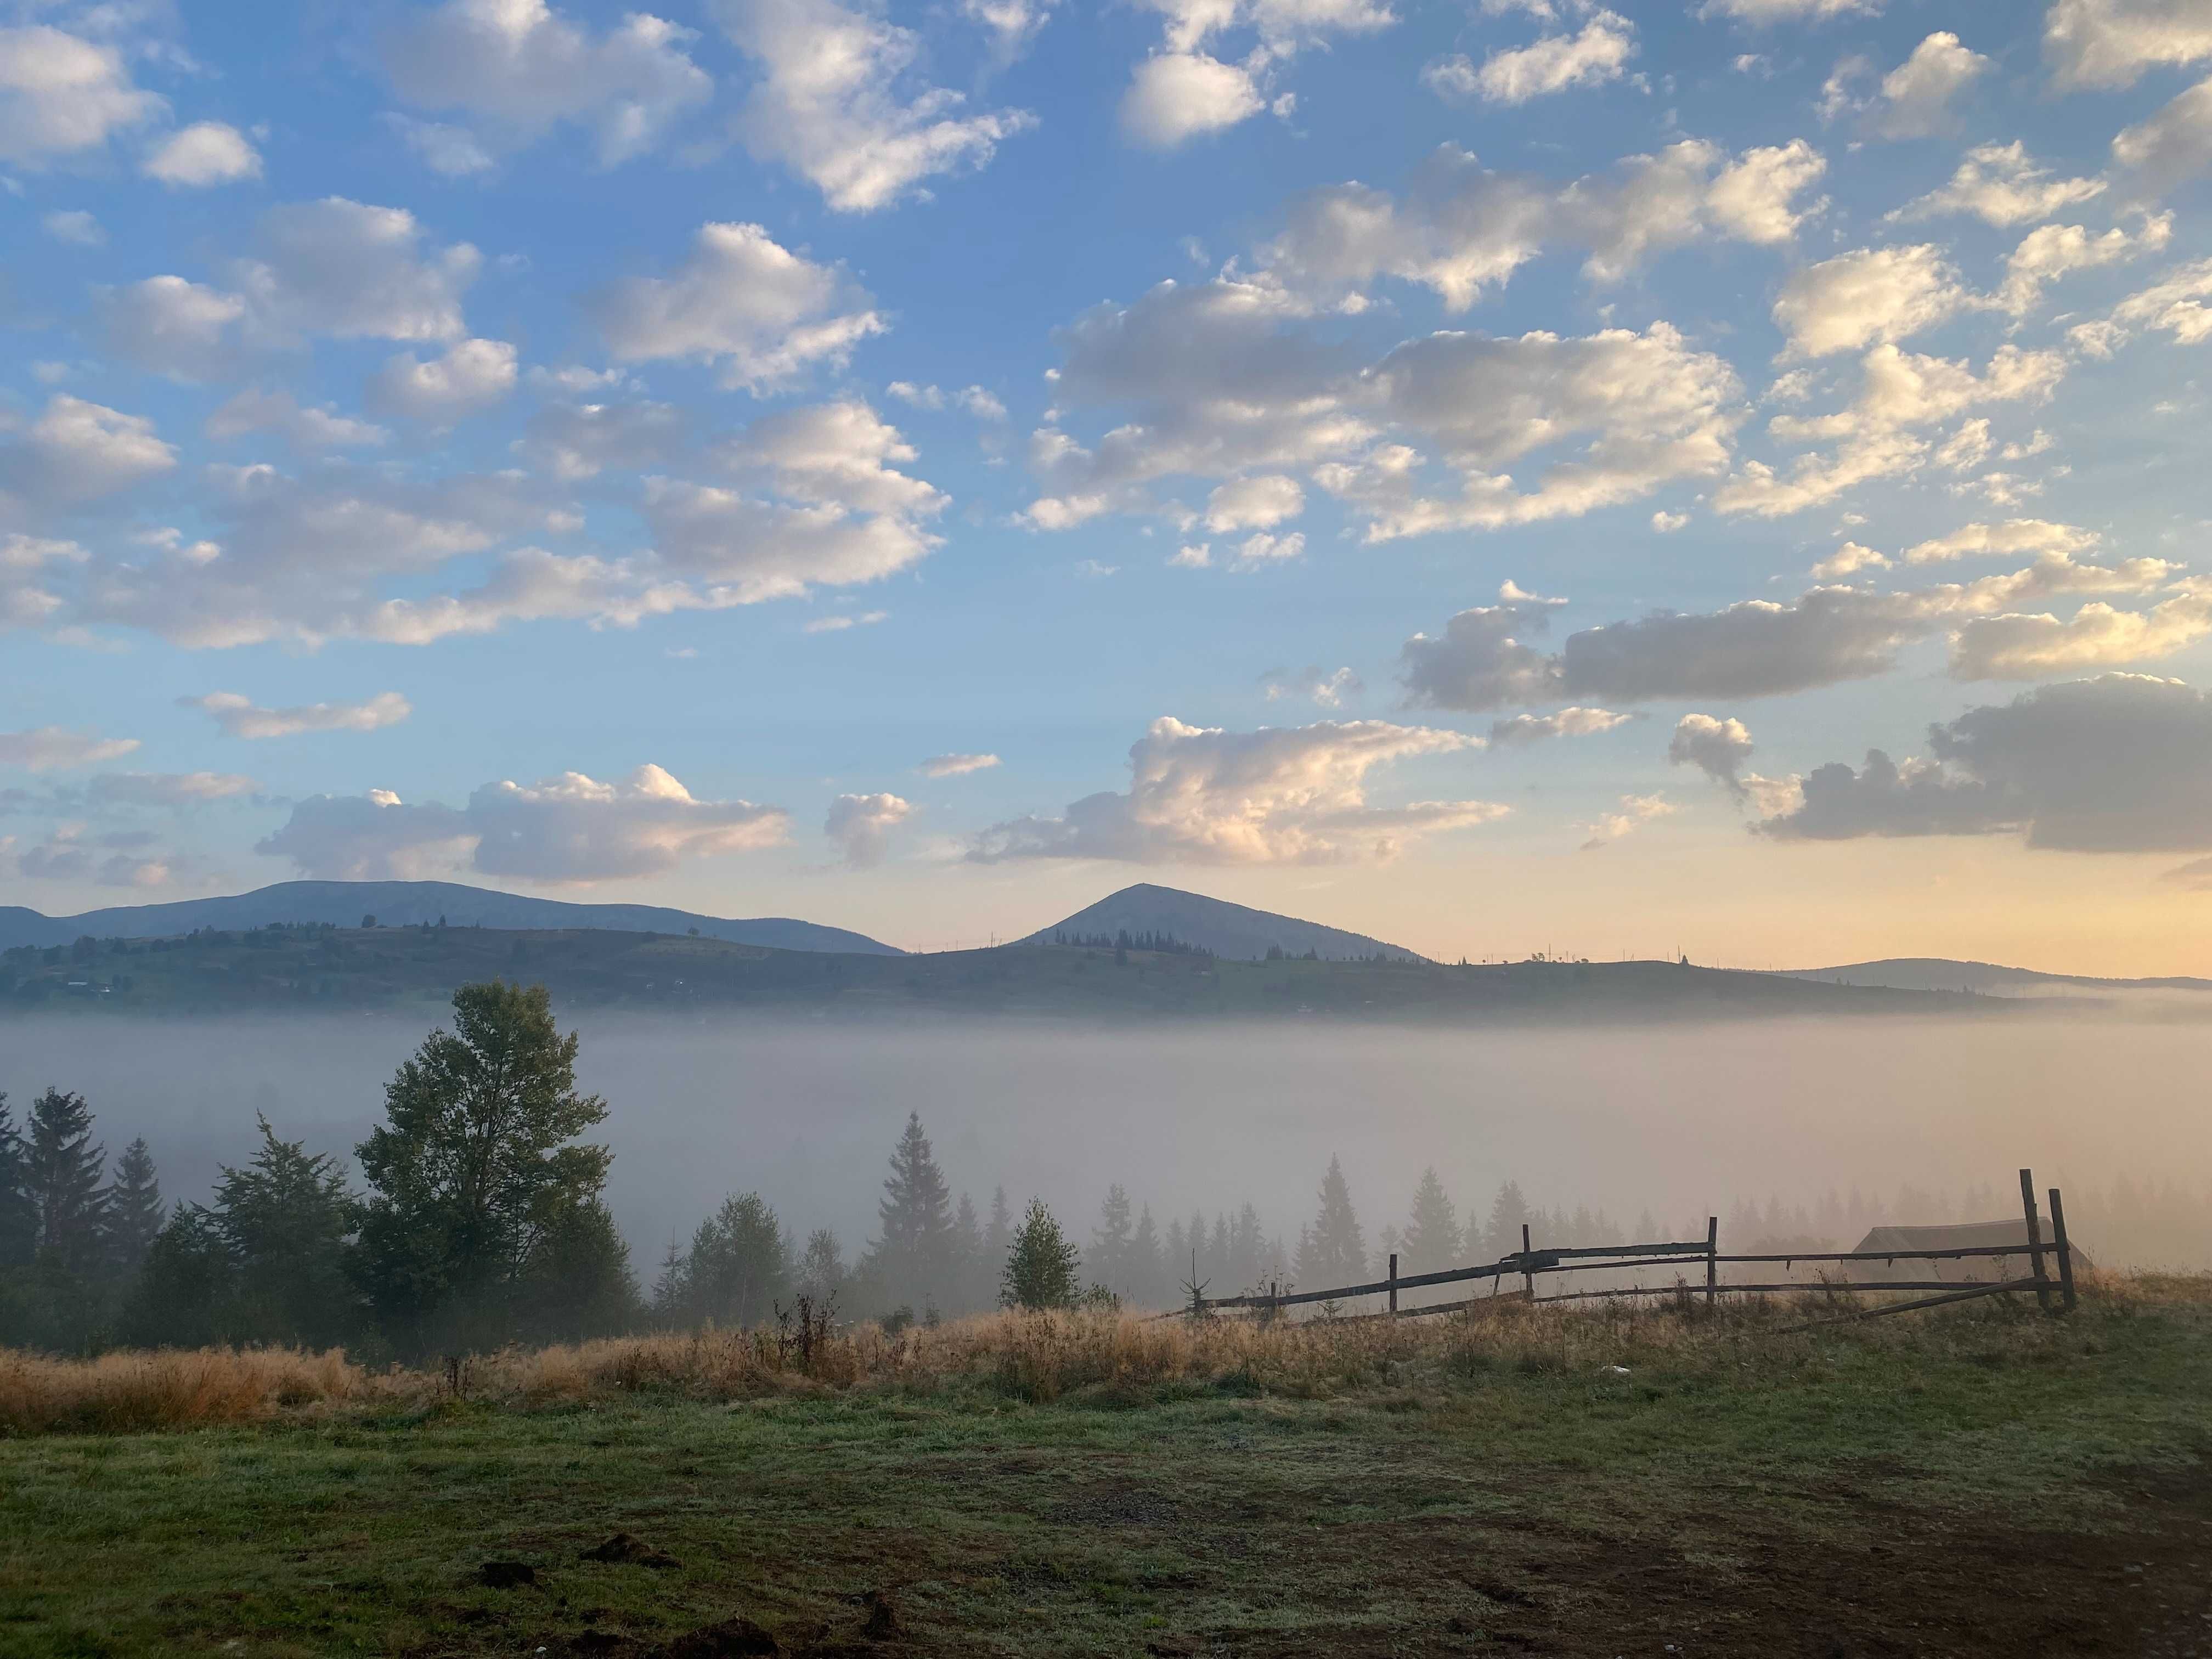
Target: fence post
x=1394, y=1281
x=2065, y=1250
x=1528, y=1267
x=2034, y=1239
x=1712, y=1259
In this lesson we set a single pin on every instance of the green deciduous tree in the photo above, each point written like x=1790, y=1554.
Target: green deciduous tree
x=1042, y=1266
x=478, y=1191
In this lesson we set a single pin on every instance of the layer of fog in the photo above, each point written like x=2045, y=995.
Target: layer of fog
x=1679, y=1120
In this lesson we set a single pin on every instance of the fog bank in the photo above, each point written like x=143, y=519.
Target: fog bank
x=1678, y=1119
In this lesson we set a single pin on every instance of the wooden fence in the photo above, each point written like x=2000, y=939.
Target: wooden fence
x=1528, y=1262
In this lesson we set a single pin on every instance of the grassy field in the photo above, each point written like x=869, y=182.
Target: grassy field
x=1979, y=1481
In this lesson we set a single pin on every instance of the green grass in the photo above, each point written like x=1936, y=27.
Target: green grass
x=2004, y=1463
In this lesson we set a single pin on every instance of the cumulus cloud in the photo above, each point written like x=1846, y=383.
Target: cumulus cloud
x=77, y=452
x=2110, y=43
x=761, y=313
x=580, y=440
x=1597, y=54
x=1278, y=795
x=355, y=270
x=204, y=154
x=168, y=326
x=75, y=227
x=1755, y=647
x=835, y=104
x=241, y=717
x=519, y=68
x=2051, y=252
x=1877, y=435
x=2175, y=304
x=569, y=829
x=1858, y=299
x=1785, y=11
x=1324, y=686
x=1175, y=96
x=450, y=151
x=1719, y=748
x=2001, y=185
x=2016, y=646
x=2120, y=763
x=861, y=826
x=956, y=765
x=61, y=95
x=1915, y=96
x=311, y=431
x=1521, y=729
x=470, y=376
x=2036, y=535
x=1462, y=229
x=57, y=749
x=2173, y=144
x=1185, y=88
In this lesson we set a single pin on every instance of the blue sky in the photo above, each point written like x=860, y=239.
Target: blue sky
x=420, y=419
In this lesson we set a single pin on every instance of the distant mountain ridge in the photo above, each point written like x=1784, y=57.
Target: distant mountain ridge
x=1234, y=931
x=1985, y=978
x=410, y=903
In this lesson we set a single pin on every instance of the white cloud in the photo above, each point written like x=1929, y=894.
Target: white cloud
x=861, y=826
x=828, y=104
x=521, y=68
x=1326, y=687
x=1175, y=96
x=570, y=829
x=1635, y=811
x=450, y=151
x=1719, y=748
x=1279, y=795
x=60, y=95
x=2036, y=535
x=205, y=153
x=972, y=399
x=1254, y=503
x=57, y=748
x=2001, y=185
x=1785, y=11
x=2173, y=144
x=1556, y=62
x=2051, y=252
x=1576, y=722
x=764, y=314
x=1860, y=298
x=168, y=326
x=956, y=765
x=311, y=431
x=1915, y=96
x=1848, y=561
x=471, y=376
x=241, y=717
x=77, y=452
x=348, y=269
x=581, y=441
x=2110, y=43
x=1462, y=229
x=2018, y=646
x=842, y=620
x=1011, y=24
x=2175, y=304
x=76, y=227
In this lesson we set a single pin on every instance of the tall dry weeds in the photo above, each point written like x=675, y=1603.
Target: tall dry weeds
x=1045, y=1357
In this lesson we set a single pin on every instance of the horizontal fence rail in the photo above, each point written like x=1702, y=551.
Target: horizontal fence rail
x=1528, y=1262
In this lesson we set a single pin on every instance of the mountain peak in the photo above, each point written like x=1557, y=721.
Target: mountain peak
x=1235, y=931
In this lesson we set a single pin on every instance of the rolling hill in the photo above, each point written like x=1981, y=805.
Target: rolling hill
x=410, y=903
x=1983, y=978
x=1233, y=931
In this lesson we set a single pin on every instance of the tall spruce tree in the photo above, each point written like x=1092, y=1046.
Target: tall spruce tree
x=481, y=1202
x=1432, y=1242
x=739, y=1264
x=284, y=1219
x=1148, y=1283
x=134, y=1211
x=1332, y=1251
x=912, y=1254
x=972, y=1267
x=1109, y=1242
x=19, y=1216
x=1509, y=1212
x=62, y=1169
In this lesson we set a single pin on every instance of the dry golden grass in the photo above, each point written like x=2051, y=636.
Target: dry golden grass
x=1038, y=1357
